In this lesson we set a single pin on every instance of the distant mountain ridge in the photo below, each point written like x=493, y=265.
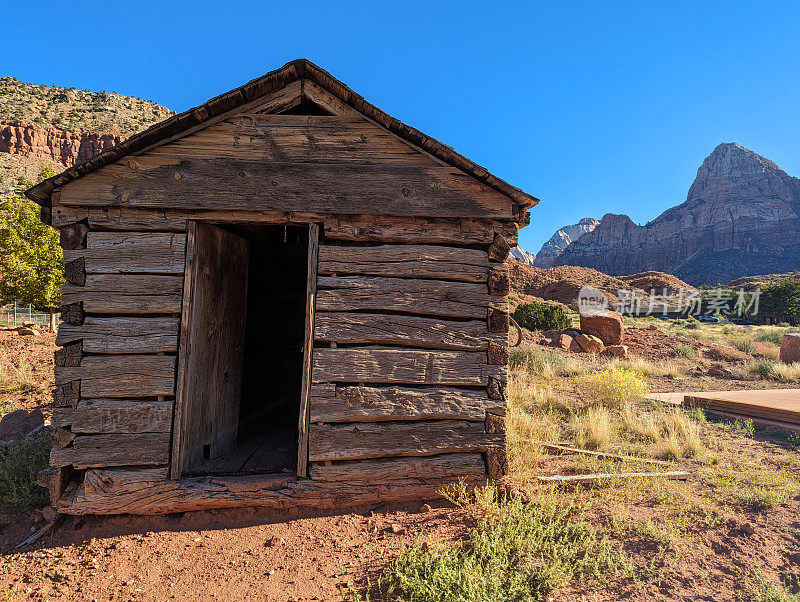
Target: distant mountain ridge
x=563, y=237
x=741, y=217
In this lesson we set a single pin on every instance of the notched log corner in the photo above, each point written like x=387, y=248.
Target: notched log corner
x=75, y=271
x=69, y=355
x=497, y=320
x=497, y=355
x=55, y=480
x=499, y=248
x=496, y=389
x=67, y=395
x=73, y=314
x=74, y=236
x=499, y=282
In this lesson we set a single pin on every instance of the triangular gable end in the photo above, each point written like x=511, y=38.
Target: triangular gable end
x=298, y=88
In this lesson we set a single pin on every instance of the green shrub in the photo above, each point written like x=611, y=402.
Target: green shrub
x=20, y=463
x=542, y=316
x=769, y=336
x=692, y=325
x=685, y=351
x=745, y=345
x=517, y=551
x=763, y=367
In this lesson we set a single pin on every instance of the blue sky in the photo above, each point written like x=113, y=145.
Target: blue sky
x=594, y=107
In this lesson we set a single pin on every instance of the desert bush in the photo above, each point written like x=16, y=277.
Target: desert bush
x=770, y=335
x=763, y=367
x=517, y=551
x=744, y=345
x=685, y=351
x=692, y=325
x=613, y=386
x=593, y=428
x=20, y=463
x=542, y=316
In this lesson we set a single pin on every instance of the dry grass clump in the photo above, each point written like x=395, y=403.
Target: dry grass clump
x=680, y=435
x=647, y=368
x=614, y=386
x=593, y=428
x=788, y=373
x=686, y=351
x=546, y=363
x=673, y=432
x=16, y=378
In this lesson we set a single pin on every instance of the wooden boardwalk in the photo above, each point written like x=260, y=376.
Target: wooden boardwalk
x=778, y=406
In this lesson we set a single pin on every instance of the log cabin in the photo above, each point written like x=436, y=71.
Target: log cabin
x=283, y=297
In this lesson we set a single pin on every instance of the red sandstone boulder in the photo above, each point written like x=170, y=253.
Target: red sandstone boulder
x=18, y=424
x=590, y=343
x=605, y=324
x=790, y=348
x=562, y=341
x=620, y=351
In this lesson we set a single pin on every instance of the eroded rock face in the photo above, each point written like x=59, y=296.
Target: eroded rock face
x=563, y=237
x=26, y=139
x=741, y=217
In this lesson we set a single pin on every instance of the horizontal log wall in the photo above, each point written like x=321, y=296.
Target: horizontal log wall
x=411, y=346
x=115, y=374
x=410, y=339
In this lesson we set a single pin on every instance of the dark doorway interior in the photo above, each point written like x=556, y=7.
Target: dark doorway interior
x=272, y=354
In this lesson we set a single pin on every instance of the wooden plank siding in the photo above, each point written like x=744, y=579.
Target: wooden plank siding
x=403, y=366
x=421, y=297
x=360, y=228
x=166, y=182
x=116, y=416
x=406, y=261
x=123, y=335
x=404, y=330
x=355, y=441
x=110, y=294
x=342, y=403
x=122, y=375
x=131, y=253
x=298, y=138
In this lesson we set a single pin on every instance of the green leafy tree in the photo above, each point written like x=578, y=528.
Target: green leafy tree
x=31, y=261
x=781, y=301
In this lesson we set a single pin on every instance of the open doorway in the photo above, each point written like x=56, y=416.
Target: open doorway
x=244, y=371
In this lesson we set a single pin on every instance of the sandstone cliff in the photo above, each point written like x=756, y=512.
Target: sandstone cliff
x=563, y=237
x=67, y=148
x=741, y=217
x=48, y=126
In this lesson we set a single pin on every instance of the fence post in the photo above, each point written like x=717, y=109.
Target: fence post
x=15, y=314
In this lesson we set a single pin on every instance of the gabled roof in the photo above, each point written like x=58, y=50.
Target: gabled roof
x=274, y=80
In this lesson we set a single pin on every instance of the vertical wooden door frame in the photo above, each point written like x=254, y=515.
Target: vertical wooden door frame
x=177, y=458
x=308, y=350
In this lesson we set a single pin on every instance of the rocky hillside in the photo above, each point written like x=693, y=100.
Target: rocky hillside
x=58, y=127
x=563, y=237
x=741, y=218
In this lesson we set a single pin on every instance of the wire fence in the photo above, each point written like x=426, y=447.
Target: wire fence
x=17, y=314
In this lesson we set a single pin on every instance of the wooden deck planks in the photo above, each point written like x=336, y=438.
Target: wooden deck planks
x=773, y=404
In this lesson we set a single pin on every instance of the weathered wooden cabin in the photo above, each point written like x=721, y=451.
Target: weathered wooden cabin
x=283, y=297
